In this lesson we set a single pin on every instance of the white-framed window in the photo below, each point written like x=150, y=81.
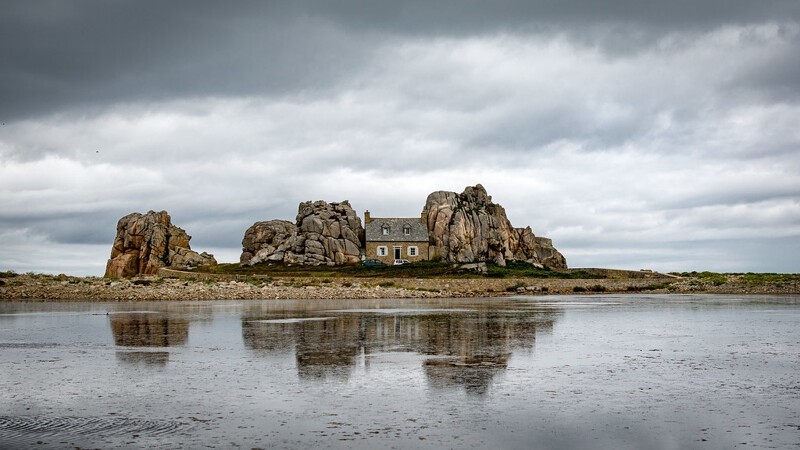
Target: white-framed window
x=407, y=230
x=385, y=230
x=412, y=251
x=382, y=251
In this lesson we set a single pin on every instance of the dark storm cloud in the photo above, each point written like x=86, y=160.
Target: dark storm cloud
x=59, y=54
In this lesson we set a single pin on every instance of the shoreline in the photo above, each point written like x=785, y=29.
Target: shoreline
x=47, y=288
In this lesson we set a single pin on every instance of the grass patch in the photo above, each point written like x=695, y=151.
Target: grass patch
x=754, y=279
x=421, y=269
x=747, y=279
x=522, y=269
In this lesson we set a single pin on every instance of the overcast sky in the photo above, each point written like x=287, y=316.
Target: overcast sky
x=661, y=135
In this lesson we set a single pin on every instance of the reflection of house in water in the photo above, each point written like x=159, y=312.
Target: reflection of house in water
x=323, y=348
x=147, y=330
x=466, y=347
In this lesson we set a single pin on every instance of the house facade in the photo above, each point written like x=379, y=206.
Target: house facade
x=390, y=238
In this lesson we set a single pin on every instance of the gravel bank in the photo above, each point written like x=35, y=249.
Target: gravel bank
x=32, y=287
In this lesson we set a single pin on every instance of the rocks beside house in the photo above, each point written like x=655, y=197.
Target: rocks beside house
x=461, y=228
x=323, y=233
x=469, y=227
x=146, y=242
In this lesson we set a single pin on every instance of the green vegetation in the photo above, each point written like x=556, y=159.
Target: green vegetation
x=715, y=279
x=747, y=279
x=522, y=269
x=8, y=274
x=768, y=278
x=422, y=269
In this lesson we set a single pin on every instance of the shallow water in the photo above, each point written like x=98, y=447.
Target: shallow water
x=545, y=372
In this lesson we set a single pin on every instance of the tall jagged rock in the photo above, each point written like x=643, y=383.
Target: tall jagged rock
x=324, y=233
x=146, y=242
x=469, y=227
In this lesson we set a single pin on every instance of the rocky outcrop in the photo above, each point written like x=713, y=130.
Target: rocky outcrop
x=538, y=250
x=469, y=227
x=268, y=241
x=146, y=242
x=324, y=233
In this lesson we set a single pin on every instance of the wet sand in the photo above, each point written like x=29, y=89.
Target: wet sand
x=610, y=371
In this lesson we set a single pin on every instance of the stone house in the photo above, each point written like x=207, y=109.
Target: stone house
x=390, y=238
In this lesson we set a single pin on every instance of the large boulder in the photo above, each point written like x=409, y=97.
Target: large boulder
x=469, y=227
x=323, y=233
x=268, y=241
x=146, y=242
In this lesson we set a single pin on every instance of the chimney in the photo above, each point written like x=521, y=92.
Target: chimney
x=424, y=216
x=367, y=219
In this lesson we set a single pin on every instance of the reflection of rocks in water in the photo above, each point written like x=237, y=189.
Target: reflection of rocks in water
x=148, y=330
x=268, y=336
x=474, y=345
x=477, y=344
x=474, y=374
x=465, y=335
x=155, y=359
x=323, y=348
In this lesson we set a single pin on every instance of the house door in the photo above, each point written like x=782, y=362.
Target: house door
x=397, y=252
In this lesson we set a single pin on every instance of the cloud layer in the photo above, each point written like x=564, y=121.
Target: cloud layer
x=634, y=137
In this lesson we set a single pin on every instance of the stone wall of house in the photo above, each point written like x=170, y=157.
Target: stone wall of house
x=371, y=251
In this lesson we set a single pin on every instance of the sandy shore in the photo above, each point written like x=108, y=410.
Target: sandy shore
x=33, y=287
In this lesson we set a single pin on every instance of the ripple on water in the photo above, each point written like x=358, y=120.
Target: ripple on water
x=23, y=428
x=27, y=345
x=292, y=320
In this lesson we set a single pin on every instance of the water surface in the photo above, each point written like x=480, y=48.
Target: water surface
x=544, y=372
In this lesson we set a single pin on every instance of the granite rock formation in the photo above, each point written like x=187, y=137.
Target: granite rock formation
x=146, y=242
x=324, y=233
x=469, y=227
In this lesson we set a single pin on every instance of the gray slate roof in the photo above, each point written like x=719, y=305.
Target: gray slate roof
x=374, y=230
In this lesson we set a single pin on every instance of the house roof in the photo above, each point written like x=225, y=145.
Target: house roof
x=418, y=231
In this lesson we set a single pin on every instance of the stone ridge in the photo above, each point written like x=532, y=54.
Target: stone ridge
x=146, y=242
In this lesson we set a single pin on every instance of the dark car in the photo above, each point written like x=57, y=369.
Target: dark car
x=373, y=263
